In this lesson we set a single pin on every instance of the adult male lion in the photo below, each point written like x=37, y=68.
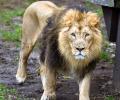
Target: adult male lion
x=70, y=42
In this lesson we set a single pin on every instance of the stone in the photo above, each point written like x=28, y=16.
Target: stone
x=109, y=3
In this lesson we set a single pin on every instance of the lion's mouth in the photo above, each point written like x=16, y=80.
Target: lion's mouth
x=79, y=56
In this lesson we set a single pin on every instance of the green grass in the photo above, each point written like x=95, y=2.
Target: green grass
x=13, y=35
x=13, y=32
x=104, y=56
x=110, y=98
x=5, y=91
x=7, y=15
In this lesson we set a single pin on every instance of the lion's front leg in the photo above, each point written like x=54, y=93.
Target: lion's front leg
x=26, y=49
x=48, y=78
x=84, y=87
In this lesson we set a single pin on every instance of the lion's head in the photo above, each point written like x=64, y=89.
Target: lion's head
x=79, y=36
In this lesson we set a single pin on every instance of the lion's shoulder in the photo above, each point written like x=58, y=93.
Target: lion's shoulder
x=48, y=42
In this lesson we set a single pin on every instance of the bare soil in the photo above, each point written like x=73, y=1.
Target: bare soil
x=67, y=88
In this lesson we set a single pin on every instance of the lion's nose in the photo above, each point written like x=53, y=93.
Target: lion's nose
x=80, y=49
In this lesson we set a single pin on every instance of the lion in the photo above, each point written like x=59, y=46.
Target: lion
x=70, y=42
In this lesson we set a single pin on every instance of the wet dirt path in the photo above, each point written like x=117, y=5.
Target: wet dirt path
x=67, y=89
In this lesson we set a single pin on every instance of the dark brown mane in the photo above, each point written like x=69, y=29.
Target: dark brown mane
x=49, y=44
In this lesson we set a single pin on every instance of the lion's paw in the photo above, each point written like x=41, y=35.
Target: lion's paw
x=84, y=98
x=48, y=97
x=20, y=79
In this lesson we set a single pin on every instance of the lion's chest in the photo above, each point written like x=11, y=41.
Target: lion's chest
x=78, y=69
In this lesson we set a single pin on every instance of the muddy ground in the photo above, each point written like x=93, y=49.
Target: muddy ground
x=67, y=88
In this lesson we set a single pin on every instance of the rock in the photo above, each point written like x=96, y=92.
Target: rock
x=112, y=55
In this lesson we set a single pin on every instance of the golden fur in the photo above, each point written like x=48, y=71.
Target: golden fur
x=79, y=43
x=81, y=20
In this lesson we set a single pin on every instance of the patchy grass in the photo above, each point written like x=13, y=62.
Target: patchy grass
x=6, y=93
x=13, y=31
x=110, y=98
x=7, y=15
x=13, y=35
x=104, y=56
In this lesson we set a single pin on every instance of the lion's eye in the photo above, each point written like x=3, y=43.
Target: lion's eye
x=73, y=34
x=87, y=34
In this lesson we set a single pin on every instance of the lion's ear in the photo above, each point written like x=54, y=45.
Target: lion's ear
x=93, y=19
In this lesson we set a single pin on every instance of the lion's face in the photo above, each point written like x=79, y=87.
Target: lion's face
x=80, y=40
x=79, y=33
